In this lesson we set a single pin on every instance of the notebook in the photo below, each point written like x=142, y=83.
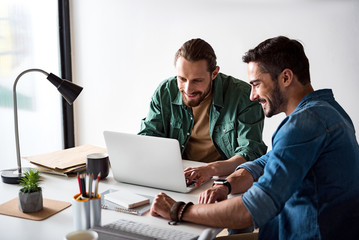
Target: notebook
x=127, y=199
x=118, y=208
x=148, y=161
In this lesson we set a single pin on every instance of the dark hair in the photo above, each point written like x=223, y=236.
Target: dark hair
x=276, y=54
x=198, y=49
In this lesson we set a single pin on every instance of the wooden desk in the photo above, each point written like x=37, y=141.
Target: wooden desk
x=63, y=188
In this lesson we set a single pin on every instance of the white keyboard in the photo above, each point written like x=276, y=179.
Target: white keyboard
x=125, y=229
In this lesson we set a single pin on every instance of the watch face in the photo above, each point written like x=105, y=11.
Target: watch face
x=220, y=181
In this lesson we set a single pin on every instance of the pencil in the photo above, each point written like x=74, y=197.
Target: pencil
x=83, y=185
x=90, y=185
x=79, y=181
x=97, y=181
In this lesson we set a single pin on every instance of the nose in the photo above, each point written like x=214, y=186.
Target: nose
x=188, y=87
x=254, y=95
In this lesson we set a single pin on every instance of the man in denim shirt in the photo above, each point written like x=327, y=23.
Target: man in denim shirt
x=307, y=186
x=208, y=112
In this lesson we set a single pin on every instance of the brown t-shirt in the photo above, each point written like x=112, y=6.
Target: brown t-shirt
x=200, y=146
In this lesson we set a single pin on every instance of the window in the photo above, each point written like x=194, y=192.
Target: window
x=29, y=38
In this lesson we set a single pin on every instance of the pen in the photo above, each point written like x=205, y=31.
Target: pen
x=96, y=185
x=79, y=181
x=83, y=185
x=79, y=197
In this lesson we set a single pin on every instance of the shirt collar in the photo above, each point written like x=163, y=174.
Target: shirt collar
x=322, y=94
x=218, y=91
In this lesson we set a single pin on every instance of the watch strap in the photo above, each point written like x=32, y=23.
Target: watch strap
x=224, y=182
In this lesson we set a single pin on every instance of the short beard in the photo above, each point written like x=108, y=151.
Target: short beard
x=275, y=102
x=197, y=103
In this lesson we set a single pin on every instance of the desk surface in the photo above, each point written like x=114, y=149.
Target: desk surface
x=63, y=188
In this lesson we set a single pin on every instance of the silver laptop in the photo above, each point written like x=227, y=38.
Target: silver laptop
x=148, y=161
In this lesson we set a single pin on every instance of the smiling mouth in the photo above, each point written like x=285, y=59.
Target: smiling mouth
x=262, y=102
x=193, y=95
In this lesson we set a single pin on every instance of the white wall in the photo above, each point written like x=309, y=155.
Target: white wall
x=122, y=49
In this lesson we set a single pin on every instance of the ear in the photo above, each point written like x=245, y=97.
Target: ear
x=215, y=73
x=287, y=77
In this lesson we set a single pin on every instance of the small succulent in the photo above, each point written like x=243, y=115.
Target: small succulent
x=30, y=182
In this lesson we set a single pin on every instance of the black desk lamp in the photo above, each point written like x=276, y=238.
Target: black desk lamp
x=68, y=90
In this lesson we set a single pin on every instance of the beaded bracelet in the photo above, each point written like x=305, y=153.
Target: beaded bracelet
x=183, y=209
x=175, y=217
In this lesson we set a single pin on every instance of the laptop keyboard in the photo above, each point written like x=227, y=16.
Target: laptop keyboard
x=126, y=229
x=192, y=184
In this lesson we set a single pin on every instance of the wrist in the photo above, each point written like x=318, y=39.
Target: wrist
x=225, y=183
x=177, y=210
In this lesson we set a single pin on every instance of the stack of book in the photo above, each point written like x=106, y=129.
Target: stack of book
x=64, y=162
x=126, y=201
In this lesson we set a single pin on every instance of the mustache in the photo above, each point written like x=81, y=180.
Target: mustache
x=193, y=93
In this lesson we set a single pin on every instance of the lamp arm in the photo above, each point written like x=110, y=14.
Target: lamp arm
x=15, y=115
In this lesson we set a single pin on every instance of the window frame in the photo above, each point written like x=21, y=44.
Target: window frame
x=66, y=71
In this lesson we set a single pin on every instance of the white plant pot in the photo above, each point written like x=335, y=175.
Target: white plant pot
x=30, y=202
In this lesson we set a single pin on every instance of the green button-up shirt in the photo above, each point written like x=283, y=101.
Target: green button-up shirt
x=235, y=122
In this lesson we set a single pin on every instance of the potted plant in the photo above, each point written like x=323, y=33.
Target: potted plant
x=30, y=195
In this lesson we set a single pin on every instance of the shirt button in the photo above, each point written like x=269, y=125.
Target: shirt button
x=183, y=146
x=187, y=134
x=224, y=130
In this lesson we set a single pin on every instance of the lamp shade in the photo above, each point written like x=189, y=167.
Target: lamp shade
x=68, y=90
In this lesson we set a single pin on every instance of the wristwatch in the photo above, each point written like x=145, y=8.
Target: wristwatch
x=223, y=182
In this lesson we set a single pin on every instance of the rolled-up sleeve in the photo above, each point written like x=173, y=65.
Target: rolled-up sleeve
x=255, y=167
x=260, y=205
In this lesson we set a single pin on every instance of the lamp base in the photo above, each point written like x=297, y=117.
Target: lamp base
x=12, y=176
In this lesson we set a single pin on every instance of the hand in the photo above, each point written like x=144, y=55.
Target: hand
x=161, y=206
x=216, y=193
x=199, y=174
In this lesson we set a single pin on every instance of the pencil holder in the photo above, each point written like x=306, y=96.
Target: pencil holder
x=86, y=212
x=95, y=212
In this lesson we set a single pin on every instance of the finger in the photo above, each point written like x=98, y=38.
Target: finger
x=153, y=212
x=200, y=180
x=154, y=206
x=193, y=174
x=212, y=198
x=188, y=171
x=201, y=198
x=207, y=198
x=161, y=195
x=191, y=177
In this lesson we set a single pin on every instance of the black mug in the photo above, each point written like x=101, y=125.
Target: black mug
x=96, y=163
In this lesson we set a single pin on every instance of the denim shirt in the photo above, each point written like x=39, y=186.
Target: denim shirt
x=235, y=123
x=310, y=185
